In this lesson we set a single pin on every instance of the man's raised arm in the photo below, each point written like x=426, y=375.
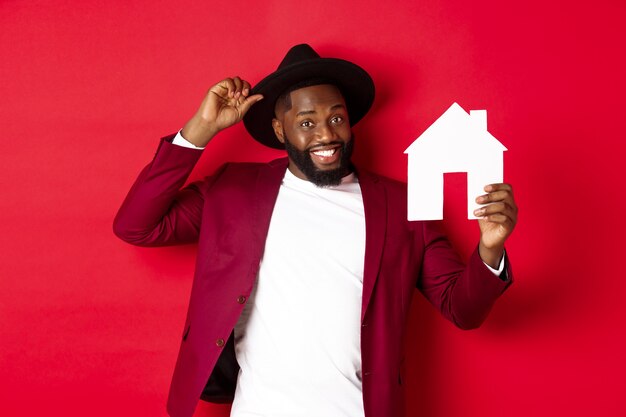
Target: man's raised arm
x=156, y=210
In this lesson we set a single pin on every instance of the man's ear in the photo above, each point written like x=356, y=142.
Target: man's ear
x=278, y=130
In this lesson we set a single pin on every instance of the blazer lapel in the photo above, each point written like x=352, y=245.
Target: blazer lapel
x=265, y=193
x=375, y=207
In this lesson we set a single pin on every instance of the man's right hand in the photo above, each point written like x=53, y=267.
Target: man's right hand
x=224, y=105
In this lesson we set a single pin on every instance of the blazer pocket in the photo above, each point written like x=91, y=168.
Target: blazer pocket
x=186, y=332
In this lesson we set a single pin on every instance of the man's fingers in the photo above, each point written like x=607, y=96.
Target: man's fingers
x=498, y=187
x=234, y=96
x=496, y=208
x=497, y=192
x=232, y=88
x=238, y=87
x=494, y=196
x=498, y=218
x=224, y=88
x=245, y=88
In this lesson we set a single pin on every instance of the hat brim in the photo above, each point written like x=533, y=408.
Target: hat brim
x=354, y=82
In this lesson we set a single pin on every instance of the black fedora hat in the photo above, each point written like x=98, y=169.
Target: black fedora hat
x=302, y=63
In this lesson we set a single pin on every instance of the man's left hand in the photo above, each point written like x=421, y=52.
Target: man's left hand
x=497, y=221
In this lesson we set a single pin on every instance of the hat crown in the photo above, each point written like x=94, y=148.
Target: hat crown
x=298, y=53
x=302, y=63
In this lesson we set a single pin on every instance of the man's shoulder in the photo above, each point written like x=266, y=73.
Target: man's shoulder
x=379, y=188
x=246, y=176
x=388, y=183
x=251, y=168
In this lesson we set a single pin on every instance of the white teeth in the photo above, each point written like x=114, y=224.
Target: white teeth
x=325, y=153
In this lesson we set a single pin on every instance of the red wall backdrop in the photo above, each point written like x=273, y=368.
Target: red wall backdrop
x=90, y=325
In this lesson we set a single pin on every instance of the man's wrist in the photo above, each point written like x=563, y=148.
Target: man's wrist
x=491, y=256
x=198, y=132
x=500, y=270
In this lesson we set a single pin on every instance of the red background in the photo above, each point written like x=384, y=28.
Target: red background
x=90, y=325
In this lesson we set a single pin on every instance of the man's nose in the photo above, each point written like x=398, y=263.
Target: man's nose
x=326, y=132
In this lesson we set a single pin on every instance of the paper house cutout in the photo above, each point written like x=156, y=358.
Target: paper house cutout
x=455, y=142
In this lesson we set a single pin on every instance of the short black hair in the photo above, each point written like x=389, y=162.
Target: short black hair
x=285, y=97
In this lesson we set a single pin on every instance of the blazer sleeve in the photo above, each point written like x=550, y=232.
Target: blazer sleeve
x=464, y=294
x=157, y=211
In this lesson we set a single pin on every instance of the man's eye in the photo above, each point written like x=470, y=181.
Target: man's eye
x=337, y=119
x=306, y=123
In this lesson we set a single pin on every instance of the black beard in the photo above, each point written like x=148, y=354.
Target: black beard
x=322, y=178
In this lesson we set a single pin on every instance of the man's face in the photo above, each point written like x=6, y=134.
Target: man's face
x=316, y=133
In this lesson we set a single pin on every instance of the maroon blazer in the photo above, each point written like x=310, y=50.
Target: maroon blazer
x=228, y=214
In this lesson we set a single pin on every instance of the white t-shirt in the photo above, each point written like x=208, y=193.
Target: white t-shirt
x=298, y=339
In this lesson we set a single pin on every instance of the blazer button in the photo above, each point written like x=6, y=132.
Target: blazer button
x=241, y=299
x=219, y=342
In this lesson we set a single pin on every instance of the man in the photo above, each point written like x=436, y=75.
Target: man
x=306, y=265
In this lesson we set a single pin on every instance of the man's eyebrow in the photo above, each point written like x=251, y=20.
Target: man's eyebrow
x=307, y=112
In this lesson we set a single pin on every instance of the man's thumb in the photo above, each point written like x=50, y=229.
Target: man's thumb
x=249, y=102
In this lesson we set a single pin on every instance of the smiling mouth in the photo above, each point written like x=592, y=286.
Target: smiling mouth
x=325, y=153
